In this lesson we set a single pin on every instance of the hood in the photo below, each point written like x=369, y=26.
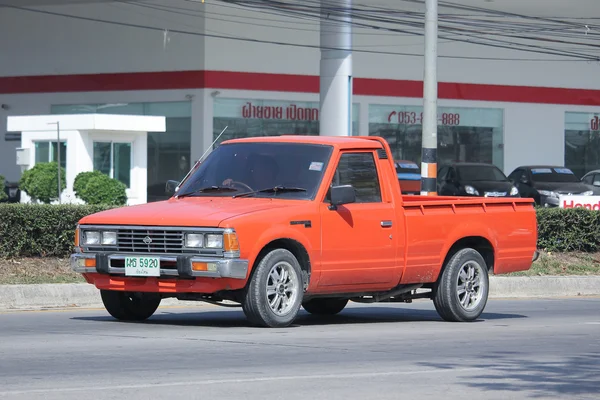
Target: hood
x=187, y=211
x=562, y=187
x=490, y=186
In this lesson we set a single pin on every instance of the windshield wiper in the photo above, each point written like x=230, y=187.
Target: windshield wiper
x=274, y=189
x=208, y=189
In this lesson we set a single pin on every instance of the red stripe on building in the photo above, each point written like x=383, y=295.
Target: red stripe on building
x=289, y=83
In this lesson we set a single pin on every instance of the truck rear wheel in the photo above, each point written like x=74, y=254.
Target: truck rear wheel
x=274, y=294
x=325, y=306
x=462, y=291
x=130, y=306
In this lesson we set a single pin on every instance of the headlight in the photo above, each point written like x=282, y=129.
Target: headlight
x=214, y=241
x=514, y=191
x=91, y=237
x=548, y=193
x=588, y=193
x=471, y=190
x=109, y=238
x=194, y=240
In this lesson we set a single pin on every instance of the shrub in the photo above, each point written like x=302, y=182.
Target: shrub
x=40, y=230
x=3, y=195
x=102, y=189
x=41, y=182
x=575, y=229
x=81, y=181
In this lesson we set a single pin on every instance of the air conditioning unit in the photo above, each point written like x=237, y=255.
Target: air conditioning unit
x=23, y=156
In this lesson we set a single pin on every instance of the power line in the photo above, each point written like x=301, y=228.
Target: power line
x=280, y=43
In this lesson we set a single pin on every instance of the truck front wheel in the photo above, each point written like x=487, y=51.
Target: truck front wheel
x=462, y=290
x=325, y=306
x=130, y=306
x=274, y=294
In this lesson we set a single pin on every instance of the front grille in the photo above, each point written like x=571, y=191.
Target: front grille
x=149, y=241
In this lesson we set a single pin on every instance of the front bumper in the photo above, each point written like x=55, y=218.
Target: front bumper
x=174, y=266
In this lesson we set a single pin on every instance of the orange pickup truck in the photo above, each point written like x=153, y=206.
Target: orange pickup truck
x=273, y=224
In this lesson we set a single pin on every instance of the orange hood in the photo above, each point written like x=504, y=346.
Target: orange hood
x=189, y=211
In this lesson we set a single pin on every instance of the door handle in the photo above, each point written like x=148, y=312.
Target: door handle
x=386, y=224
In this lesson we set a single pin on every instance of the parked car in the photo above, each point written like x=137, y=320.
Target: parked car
x=545, y=183
x=409, y=176
x=13, y=192
x=592, y=178
x=474, y=179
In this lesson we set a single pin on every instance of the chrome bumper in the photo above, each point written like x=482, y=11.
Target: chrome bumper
x=220, y=268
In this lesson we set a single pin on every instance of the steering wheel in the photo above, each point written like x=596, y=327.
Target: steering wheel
x=242, y=184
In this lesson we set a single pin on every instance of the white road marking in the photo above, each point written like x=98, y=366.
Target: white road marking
x=241, y=380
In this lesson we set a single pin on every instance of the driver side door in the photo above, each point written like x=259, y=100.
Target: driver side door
x=359, y=240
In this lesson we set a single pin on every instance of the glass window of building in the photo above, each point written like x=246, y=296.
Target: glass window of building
x=464, y=134
x=168, y=152
x=250, y=118
x=47, y=151
x=114, y=160
x=582, y=142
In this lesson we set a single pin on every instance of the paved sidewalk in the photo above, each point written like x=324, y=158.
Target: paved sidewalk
x=34, y=297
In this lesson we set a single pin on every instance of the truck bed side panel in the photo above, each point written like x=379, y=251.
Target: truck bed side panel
x=434, y=225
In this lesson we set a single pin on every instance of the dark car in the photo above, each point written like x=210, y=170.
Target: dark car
x=545, y=183
x=409, y=177
x=13, y=192
x=474, y=179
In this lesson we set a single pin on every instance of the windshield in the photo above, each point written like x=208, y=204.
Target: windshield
x=551, y=175
x=236, y=168
x=474, y=173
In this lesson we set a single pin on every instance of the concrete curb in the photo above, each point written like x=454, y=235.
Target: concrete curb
x=83, y=295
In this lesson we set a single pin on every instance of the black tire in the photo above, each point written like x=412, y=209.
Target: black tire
x=446, y=296
x=256, y=304
x=325, y=306
x=130, y=306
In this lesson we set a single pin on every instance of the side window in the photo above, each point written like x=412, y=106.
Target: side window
x=589, y=179
x=596, y=180
x=360, y=171
x=516, y=175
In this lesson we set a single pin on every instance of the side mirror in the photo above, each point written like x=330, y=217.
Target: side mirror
x=340, y=195
x=171, y=187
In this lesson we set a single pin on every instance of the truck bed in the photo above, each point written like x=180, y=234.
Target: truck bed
x=433, y=226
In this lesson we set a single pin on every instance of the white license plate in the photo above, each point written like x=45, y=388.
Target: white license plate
x=142, y=266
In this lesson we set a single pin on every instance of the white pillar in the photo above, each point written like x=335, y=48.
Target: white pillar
x=336, y=69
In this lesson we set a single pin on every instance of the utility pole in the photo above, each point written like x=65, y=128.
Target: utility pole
x=58, y=154
x=429, y=134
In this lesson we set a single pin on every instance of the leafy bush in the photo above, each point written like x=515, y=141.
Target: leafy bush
x=99, y=188
x=81, y=181
x=40, y=230
x=3, y=195
x=41, y=182
x=574, y=229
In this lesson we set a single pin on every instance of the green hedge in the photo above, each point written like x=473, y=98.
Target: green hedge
x=31, y=230
x=3, y=195
x=574, y=229
x=34, y=230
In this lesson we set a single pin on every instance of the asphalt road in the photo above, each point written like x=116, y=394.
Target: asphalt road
x=520, y=349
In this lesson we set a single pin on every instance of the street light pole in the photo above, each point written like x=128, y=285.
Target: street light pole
x=429, y=134
x=58, y=154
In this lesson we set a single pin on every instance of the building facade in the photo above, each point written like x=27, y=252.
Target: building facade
x=191, y=62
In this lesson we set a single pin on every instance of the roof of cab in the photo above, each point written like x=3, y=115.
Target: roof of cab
x=343, y=142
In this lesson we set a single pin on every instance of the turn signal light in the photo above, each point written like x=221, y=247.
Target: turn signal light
x=230, y=242
x=200, y=266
